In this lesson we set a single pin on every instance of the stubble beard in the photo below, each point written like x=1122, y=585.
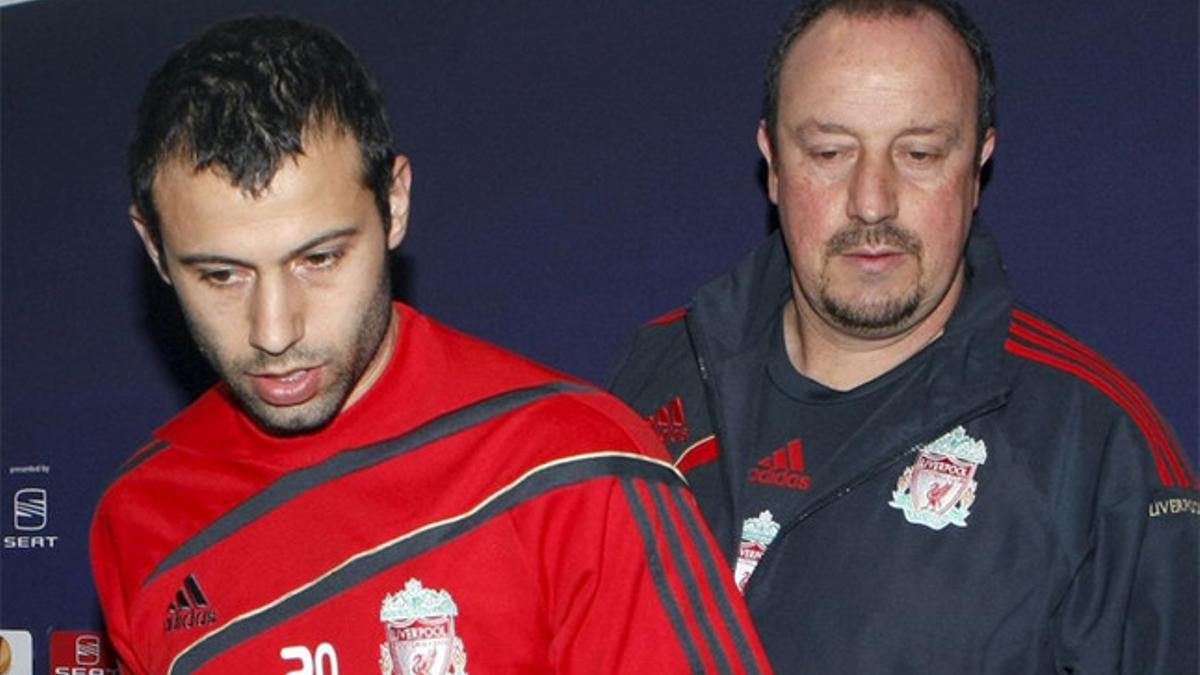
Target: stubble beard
x=878, y=317
x=342, y=371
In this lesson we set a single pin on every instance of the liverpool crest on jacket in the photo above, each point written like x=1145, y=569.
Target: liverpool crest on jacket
x=939, y=488
x=757, y=535
x=421, y=637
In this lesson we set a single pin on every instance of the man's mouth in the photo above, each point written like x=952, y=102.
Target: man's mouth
x=289, y=388
x=875, y=260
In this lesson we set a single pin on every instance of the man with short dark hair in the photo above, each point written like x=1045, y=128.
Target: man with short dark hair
x=909, y=472
x=367, y=489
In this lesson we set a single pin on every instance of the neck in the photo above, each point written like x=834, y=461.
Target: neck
x=827, y=354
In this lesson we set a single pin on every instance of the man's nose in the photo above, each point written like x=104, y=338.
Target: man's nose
x=872, y=197
x=276, y=316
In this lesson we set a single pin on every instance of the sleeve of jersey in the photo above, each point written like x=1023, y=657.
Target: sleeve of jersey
x=631, y=577
x=1134, y=601
x=106, y=572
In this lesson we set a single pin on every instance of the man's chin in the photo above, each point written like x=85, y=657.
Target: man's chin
x=294, y=420
x=873, y=319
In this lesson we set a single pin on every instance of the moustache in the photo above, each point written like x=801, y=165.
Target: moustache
x=291, y=360
x=887, y=233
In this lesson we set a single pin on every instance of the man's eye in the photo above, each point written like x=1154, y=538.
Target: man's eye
x=921, y=156
x=323, y=259
x=826, y=155
x=218, y=277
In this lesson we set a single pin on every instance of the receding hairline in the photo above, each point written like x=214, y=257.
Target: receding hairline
x=913, y=14
x=919, y=15
x=320, y=126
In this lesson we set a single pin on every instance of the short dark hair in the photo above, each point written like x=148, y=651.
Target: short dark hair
x=240, y=96
x=804, y=15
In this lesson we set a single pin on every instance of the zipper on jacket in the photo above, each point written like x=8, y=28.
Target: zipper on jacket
x=716, y=412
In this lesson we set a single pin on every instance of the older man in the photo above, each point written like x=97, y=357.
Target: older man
x=908, y=471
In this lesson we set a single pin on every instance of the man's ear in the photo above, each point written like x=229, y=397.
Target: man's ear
x=985, y=153
x=399, y=199
x=764, y=146
x=149, y=241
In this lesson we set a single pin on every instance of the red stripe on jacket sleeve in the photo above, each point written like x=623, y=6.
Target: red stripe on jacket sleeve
x=1133, y=396
x=673, y=315
x=1166, y=462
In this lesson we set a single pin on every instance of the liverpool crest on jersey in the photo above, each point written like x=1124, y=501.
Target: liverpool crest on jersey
x=939, y=488
x=757, y=535
x=421, y=637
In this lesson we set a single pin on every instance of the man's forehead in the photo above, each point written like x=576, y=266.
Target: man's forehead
x=845, y=62
x=850, y=36
x=181, y=187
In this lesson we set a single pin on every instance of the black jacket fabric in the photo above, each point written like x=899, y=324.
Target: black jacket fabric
x=1080, y=553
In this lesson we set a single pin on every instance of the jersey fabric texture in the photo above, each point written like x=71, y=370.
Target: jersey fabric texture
x=473, y=512
x=1015, y=505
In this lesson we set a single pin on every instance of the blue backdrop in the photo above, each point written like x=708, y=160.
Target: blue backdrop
x=579, y=169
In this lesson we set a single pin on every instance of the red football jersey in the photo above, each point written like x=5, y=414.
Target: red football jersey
x=472, y=512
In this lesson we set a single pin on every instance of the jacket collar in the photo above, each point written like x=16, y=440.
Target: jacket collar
x=733, y=310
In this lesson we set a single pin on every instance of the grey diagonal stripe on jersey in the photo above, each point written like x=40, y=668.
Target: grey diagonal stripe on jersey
x=690, y=584
x=296, y=482
x=149, y=451
x=657, y=572
x=712, y=570
x=360, y=568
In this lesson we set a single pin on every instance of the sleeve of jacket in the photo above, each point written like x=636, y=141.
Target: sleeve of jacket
x=1132, y=604
x=638, y=583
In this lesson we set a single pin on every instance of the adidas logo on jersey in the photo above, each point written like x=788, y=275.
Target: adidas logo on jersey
x=190, y=608
x=783, y=468
x=669, y=422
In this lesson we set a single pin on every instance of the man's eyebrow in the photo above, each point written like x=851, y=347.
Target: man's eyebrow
x=215, y=259
x=211, y=259
x=818, y=126
x=810, y=125
x=948, y=130
x=320, y=239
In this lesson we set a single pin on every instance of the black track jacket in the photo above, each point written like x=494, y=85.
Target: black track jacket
x=1080, y=550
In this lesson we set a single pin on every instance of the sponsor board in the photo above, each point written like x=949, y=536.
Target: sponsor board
x=30, y=518
x=16, y=652
x=81, y=652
